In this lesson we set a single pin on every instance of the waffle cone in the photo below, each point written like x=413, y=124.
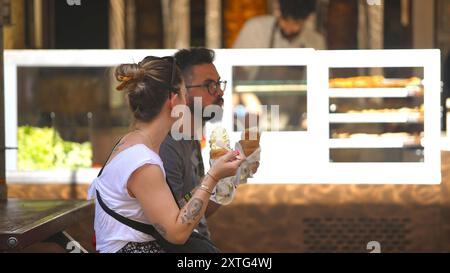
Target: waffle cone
x=216, y=153
x=249, y=146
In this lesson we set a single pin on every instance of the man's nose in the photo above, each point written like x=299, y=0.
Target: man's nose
x=220, y=92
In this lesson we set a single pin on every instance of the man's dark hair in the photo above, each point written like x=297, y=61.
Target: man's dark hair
x=296, y=9
x=186, y=58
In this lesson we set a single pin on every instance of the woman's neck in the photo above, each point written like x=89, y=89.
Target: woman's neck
x=154, y=131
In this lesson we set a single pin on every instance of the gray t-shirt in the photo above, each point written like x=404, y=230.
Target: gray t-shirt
x=184, y=168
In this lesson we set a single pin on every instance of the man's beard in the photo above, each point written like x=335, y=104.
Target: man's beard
x=217, y=115
x=289, y=37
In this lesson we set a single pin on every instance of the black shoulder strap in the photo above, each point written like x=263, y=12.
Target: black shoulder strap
x=142, y=227
x=101, y=170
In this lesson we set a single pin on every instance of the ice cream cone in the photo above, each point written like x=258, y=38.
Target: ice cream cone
x=250, y=141
x=216, y=153
x=219, y=143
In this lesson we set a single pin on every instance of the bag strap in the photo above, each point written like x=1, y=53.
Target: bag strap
x=101, y=170
x=142, y=227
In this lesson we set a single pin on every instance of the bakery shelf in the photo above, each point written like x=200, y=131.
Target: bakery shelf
x=410, y=91
x=270, y=88
x=413, y=117
x=374, y=142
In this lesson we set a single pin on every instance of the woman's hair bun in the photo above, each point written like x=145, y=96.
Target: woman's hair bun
x=127, y=73
x=149, y=84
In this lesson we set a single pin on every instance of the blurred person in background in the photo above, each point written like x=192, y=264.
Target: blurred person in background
x=292, y=26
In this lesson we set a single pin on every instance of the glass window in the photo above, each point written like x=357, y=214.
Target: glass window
x=259, y=90
x=78, y=107
x=375, y=117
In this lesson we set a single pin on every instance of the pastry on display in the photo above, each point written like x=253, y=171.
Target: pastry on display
x=418, y=109
x=373, y=82
x=413, y=81
x=354, y=82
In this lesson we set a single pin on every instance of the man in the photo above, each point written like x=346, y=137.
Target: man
x=182, y=159
x=291, y=27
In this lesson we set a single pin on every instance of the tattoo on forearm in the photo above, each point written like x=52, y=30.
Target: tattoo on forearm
x=182, y=202
x=192, y=211
x=161, y=230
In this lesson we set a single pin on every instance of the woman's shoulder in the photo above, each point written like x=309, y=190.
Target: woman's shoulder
x=140, y=151
x=132, y=157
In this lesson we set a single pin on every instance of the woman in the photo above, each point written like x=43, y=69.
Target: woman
x=133, y=183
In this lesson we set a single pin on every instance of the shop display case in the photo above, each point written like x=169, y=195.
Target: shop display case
x=360, y=116
x=383, y=117
x=326, y=116
x=274, y=87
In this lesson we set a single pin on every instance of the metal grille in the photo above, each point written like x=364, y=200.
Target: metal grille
x=352, y=235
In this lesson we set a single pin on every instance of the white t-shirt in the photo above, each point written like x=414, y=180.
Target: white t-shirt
x=111, y=235
x=257, y=33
